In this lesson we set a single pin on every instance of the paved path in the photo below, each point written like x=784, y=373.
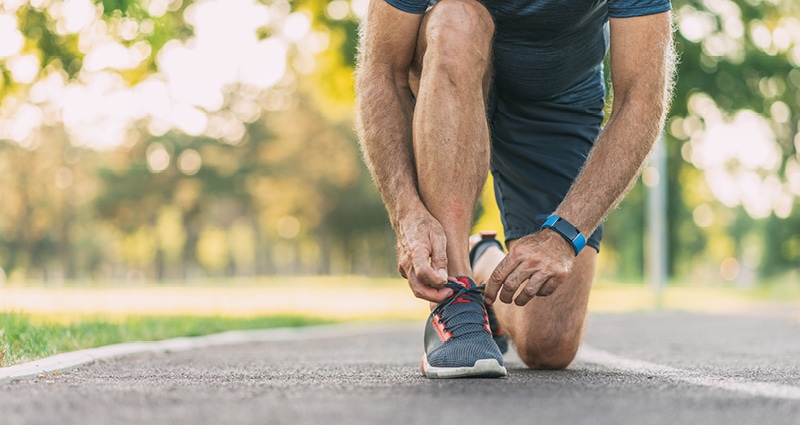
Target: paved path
x=644, y=368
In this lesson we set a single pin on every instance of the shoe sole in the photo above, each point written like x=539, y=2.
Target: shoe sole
x=484, y=368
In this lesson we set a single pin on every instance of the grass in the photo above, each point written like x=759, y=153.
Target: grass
x=25, y=337
x=38, y=320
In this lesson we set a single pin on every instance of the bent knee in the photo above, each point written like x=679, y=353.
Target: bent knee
x=459, y=31
x=549, y=357
x=465, y=19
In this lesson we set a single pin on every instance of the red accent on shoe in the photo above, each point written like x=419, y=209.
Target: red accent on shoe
x=461, y=299
x=463, y=281
x=439, y=326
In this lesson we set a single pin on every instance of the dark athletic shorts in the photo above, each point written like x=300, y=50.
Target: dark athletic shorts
x=538, y=148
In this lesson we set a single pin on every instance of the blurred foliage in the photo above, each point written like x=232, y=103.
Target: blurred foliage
x=275, y=185
x=290, y=196
x=743, y=55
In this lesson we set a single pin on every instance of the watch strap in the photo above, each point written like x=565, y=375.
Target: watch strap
x=566, y=230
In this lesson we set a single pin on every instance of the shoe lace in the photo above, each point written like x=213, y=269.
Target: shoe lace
x=467, y=318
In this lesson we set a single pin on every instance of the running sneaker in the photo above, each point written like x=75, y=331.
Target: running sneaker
x=458, y=340
x=480, y=243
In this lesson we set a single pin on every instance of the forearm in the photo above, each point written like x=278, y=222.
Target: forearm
x=642, y=67
x=614, y=164
x=383, y=115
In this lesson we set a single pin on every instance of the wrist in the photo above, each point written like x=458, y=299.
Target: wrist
x=567, y=231
x=407, y=210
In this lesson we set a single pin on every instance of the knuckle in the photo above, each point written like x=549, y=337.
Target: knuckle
x=510, y=285
x=438, y=258
x=496, y=276
x=530, y=290
x=418, y=249
x=519, y=249
x=560, y=274
x=509, y=290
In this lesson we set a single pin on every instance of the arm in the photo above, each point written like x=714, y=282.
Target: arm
x=642, y=63
x=384, y=114
x=641, y=72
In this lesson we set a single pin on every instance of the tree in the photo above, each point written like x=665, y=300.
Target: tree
x=173, y=138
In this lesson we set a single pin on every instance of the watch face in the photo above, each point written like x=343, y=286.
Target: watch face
x=566, y=229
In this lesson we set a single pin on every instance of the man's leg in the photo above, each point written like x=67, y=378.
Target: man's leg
x=450, y=79
x=548, y=330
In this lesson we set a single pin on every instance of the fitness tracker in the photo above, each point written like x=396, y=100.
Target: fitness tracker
x=567, y=230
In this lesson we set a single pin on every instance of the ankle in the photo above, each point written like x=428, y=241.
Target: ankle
x=486, y=263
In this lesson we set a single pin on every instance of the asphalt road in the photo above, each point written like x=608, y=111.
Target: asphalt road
x=644, y=368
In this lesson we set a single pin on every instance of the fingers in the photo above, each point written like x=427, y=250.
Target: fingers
x=524, y=274
x=401, y=269
x=422, y=259
x=429, y=259
x=521, y=291
x=421, y=290
x=423, y=268
x=529, y=290
x=548, y=288
x=427, y=292
x=497, y=280
x=439, y=256
x=516, y=280
x=403, y=261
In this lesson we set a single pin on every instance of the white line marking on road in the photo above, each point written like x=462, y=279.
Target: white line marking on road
x=587, y=354
x=754, y=388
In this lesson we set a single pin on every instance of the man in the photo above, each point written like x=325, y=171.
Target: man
x=450, y=90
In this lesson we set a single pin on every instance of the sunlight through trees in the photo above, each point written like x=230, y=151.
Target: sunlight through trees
x=170, y=139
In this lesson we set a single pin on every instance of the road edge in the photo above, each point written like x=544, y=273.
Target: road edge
x=66, y=361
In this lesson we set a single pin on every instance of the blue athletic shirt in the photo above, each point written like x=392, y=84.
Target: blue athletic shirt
x=549, y=49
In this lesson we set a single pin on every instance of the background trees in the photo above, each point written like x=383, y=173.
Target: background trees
x=178, y=139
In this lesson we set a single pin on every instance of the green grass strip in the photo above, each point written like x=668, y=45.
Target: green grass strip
x=26, y=337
